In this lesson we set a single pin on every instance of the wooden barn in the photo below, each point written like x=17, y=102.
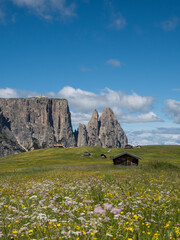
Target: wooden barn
x=126, y=159
x=58, y=146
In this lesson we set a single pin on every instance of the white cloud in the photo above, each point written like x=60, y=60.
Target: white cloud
x=82, y=118
x=83, y=101
x=170, y=24
x=8, y=93
x=114, y=62
x=173, y=108
x=117, y=21
x=45, y=8
x=14, y=93
x=159, y=136
x=147, y=117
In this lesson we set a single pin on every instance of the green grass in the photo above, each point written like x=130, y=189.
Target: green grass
x=61, y=194
x=74, y=156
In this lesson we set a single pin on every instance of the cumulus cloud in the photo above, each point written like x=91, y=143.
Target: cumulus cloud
x=82, y=118
x=8, y=93
x=170, y=24
x=84, y=101
x=45, y=8
x=114, y=62
x=147, y=117
x=158, y=136
x=15, y=93
x=173, y=108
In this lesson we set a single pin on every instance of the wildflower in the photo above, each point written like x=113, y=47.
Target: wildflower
x=107, y=206
x=14, y=231
x=130, y=229
x=99, y=210
x=115, y=210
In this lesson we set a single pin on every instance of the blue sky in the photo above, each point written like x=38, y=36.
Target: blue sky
x=119, y=54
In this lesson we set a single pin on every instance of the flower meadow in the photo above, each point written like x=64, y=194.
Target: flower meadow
x=128, y=204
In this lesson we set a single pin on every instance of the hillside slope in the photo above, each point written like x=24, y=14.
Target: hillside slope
x=74, y=156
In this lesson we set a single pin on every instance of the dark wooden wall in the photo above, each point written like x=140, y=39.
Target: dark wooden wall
x=126, y=160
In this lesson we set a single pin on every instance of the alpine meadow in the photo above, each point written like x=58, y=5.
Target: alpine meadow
x=89, y=120
x=62, y=194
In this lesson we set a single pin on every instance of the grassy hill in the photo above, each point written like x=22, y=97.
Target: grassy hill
x=74, y=156
x=61, y=194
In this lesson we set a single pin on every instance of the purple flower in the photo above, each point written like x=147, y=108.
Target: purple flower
x=99, y=210
x=107, y=206
x=116, y=210
x=87, y=201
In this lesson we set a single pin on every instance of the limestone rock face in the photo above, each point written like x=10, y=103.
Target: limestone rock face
x=111, y=134
x=38, y=122
x=106, y=131
x=82, y=136
x=8, y=143
x=93, y=130
x=32, y=123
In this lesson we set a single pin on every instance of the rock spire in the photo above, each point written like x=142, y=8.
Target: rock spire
x=104, y=131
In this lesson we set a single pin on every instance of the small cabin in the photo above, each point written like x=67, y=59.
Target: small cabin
x=126, y=159
x=87, y=154
x=58, y=146
x=128, y=146
x=103, y=155
x=138, y=146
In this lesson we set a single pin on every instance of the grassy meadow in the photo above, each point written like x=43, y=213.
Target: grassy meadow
x=61, y=194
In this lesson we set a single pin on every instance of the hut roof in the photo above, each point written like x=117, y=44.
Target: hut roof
x=124, y=153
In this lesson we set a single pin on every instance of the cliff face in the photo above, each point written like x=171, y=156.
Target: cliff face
x=38, y=122
x=8, y=143
x=93, y=130
x=111, y=134
x=32, y=123
x=105, y=132
x=82, y=136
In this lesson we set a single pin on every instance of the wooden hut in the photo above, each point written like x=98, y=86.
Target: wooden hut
x=128, y=146
x=138, y=146
x=86, y=154
x=103, y=155
x=58, y=146
x=126, y=159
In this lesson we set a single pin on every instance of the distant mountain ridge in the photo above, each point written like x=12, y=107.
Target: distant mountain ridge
x=40, y=122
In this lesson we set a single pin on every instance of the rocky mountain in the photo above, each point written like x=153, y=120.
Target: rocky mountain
x=82, y=136
x=111, y=134
x=33, y=123
x=104, y=131
x=93, y=130
x=40, y=122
